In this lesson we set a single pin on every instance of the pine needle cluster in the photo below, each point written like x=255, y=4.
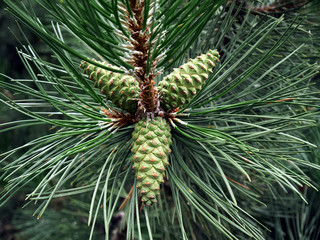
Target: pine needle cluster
x=183, y=139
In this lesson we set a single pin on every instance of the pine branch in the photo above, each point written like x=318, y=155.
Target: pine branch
x=233, y=138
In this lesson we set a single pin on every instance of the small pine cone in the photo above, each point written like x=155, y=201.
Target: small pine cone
x=179, y=87
x=121, y=89
x=151, y=148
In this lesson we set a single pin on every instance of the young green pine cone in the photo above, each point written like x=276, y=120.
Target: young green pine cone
x=121, y=89
x=151, y=148
x=179, y=87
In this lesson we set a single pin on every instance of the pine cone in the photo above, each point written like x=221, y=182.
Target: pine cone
x=121, y=89
x=179, y=87
x=151, y=148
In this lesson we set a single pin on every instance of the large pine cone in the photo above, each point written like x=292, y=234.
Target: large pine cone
x=180, y=86
x=122, y=90
x=151, y=148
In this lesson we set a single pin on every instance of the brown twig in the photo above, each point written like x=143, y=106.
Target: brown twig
x=139, y=43
x=126, y=200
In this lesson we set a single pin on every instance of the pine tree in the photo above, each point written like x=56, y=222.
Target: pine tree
x=180, y=114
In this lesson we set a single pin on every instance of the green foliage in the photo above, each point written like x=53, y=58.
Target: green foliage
x=288, y=217
x=66, y=219
x=236, y=138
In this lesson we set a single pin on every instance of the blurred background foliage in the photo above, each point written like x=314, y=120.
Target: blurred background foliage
x=11, y=38
x=288, y=217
